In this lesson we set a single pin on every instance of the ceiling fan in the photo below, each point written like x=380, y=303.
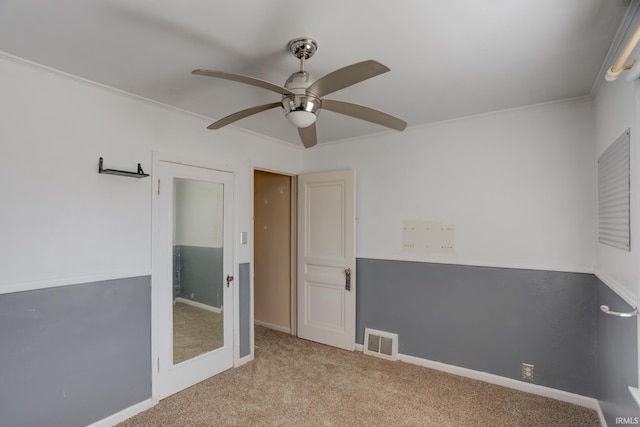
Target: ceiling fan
x=303, y=96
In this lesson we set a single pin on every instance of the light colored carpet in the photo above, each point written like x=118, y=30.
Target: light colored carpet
x=195, y=331
x=293, y=382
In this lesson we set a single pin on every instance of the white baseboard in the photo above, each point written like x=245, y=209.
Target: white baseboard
x=124, y=414
x=272, y=326
x=199, y=305
x=635, y=392
x=603, y=421
x=564, y=396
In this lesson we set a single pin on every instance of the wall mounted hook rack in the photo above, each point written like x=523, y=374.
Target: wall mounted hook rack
x=139, y=174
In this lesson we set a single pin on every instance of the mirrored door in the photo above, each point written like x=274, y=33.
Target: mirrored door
x=195, y=302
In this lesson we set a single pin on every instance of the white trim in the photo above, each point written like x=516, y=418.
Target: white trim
x=272, y=326
x=235, y=289
x=198, y=304
x=265, y=167
x=252, y=336
x=476, y=263
x=102, y=86
x=603, y=420
x=155, y=269
x=564, y=396
x=199, y=162
x=294, y=256
x=636, y=394
x=235, y=253
x=245, y=359
x=616, y=287
x=8, y=288
x=453, y=120
x=121, y=92
x=125, y=414
x=251, y=248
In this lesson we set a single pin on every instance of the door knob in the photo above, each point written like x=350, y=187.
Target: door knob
x=229, y=279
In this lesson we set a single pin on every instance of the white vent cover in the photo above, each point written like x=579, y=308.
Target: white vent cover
x=613, y=194
x=381, y=344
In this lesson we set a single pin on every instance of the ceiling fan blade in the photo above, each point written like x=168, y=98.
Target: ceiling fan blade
x=308, y=136
x=242, y=114
x=346, y=76
x=364, y=113
x=243, y=79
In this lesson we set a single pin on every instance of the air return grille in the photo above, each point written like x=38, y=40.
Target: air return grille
x=613, y=194
x=381, y=344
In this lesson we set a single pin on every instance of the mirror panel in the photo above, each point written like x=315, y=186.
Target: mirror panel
x=197, y=268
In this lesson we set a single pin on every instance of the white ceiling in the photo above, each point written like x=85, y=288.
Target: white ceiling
x=448, y=59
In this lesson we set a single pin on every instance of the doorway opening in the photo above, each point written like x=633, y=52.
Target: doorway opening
x=274, y=243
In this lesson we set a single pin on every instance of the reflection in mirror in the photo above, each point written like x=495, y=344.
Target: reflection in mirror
x=197, y=268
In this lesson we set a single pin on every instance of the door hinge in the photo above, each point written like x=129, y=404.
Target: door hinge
x=158, y=187
x=158, y=365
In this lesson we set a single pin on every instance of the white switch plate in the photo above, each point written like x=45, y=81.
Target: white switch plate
x=243, y=237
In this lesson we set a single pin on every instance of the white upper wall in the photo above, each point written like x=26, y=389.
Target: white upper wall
x=518, y=185
x=61, y=222
x=616, y=109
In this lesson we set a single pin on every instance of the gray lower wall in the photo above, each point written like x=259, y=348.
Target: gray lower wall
x=617, y=358
x=244, y=281
x=197, y=274
x=73, y=355
x=486, y=319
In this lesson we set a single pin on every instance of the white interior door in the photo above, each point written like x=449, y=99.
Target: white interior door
x=326, y=258
x=194, y=256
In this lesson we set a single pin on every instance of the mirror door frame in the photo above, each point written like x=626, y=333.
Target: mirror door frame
x=157, y=157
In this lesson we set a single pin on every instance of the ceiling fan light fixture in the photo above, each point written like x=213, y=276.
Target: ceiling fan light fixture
x=301, y=118
x=301, y=110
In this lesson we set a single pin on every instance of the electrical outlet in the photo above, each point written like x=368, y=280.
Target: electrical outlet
x=528, y=371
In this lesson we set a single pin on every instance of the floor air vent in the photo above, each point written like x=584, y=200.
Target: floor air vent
x=381, y=344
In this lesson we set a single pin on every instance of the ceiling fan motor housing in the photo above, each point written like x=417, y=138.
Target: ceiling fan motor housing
x=298, y=83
